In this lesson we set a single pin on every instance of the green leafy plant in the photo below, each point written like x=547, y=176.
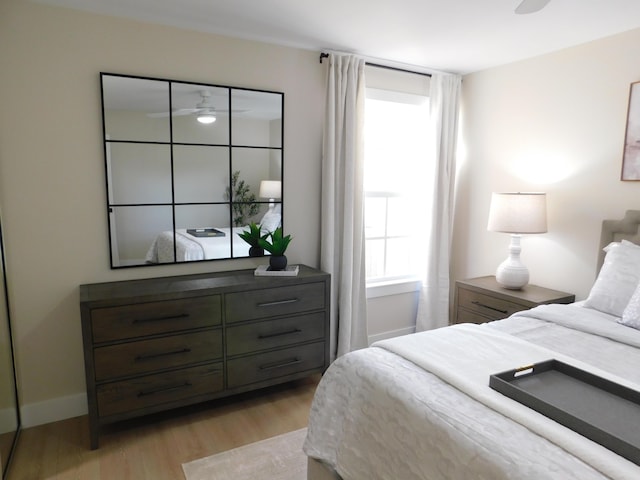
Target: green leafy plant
x=243, y=202
x=253, y=235
x=276, y=243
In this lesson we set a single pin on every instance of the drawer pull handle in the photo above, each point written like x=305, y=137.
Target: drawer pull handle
x=279, y=334
x=150, y=356
x=279, y=302
x=146, y=393
x=284, y=363
x=475, y=302
x=160, y=319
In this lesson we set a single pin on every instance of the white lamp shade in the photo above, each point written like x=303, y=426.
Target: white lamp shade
x=270, y=189
x=518, y=213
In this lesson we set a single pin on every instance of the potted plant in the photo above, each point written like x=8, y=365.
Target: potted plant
x=253, y=237
x=243, y=202
x=276, y=244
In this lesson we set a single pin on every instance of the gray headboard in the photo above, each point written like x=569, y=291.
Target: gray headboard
x=615, y=230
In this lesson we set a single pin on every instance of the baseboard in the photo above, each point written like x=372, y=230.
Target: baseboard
x=53, y=410
x=390, y=334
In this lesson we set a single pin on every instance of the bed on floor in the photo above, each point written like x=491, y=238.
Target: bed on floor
x=420, y=406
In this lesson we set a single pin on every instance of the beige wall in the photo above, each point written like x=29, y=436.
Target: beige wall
x=52, y=186
x=555, y=123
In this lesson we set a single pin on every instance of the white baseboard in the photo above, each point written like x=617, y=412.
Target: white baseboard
x=53, y=410
x=391, y=334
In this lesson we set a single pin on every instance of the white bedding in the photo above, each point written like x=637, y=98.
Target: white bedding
x=190, y=248
x=378, y=415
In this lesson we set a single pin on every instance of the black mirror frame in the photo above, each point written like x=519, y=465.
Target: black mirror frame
x=229, y=202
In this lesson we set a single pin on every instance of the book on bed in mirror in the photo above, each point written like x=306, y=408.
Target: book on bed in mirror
x=205, y=232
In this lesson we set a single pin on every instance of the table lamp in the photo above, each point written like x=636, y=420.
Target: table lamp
x=270, y=189
x=516, y=213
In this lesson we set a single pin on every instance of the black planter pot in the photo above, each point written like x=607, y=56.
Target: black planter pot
x=277, y=262
x=256, y=252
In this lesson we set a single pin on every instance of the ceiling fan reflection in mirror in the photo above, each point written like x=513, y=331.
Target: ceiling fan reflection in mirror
x=530, y=6
x=205, y=112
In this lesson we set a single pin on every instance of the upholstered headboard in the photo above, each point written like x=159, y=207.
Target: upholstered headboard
x=615, y=230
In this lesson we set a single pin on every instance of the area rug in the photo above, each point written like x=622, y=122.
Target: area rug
x=276, y=458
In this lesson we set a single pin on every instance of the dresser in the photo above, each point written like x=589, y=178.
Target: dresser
x=482, y=299
x=160, y=343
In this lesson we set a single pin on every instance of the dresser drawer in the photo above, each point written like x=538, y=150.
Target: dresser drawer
x=268, y=334
x=130, y=321
x=491, y=307
x=145, y=356
x=150, y=390
x=265, y=366
x=270, y=302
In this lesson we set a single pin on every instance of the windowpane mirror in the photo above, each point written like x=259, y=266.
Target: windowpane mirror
x=188, y=167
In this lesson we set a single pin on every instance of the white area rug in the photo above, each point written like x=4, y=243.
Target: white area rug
x=276, y=458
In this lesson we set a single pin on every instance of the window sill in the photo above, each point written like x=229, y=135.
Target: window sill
x=393, y=287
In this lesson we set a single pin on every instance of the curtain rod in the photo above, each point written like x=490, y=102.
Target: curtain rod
x=377, y=65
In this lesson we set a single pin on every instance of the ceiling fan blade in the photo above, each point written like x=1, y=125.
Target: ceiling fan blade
x=530, y=6
x=175, y=113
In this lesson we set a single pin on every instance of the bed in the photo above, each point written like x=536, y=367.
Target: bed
x=190, y=247
x=420, y=407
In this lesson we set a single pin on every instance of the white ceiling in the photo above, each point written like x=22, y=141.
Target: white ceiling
x=459, y=36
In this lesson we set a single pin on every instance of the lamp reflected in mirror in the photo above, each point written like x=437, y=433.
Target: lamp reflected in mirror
x=271, y=189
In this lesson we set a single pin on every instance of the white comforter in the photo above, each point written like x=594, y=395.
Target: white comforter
x=379, y=415
x=190, y=248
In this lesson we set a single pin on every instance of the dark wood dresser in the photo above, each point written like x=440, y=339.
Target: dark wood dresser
x=160, y=343
x=482, y=299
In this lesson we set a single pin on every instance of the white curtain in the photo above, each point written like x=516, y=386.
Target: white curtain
x=433, y=304
x=342, y=235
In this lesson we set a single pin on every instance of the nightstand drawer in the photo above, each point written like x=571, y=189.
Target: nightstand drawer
x=268, y=334
x=467, y=316
x=491, y=307
x=130, y=321
x=151, y=390
x=271, y=302
x=145, y=356
x=265, y=366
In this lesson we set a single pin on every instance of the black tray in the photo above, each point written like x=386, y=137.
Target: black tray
x=599, y=409
x=205, y=232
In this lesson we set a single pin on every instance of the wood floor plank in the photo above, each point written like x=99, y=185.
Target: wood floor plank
x=155, y=447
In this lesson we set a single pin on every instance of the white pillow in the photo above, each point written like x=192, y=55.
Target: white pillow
x=631, y=314
x=271, y=220
x=617, y=280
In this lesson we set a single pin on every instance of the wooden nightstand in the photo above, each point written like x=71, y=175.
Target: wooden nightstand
x=479, y=300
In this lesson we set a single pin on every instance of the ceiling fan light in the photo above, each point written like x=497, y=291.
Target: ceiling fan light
x=206, y=118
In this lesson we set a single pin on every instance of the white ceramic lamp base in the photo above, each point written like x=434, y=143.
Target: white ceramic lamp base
x=511, y=273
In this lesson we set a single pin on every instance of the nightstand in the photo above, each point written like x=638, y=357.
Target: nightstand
x=479, y=300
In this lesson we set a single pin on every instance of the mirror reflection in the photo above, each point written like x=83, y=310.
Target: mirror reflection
x=9, y=417
x=188, y=167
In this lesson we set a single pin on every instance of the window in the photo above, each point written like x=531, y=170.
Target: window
x=396, y=179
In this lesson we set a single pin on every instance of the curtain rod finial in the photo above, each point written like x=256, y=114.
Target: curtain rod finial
x=323, y=55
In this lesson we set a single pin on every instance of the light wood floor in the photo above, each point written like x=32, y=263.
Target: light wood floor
x=155, y=447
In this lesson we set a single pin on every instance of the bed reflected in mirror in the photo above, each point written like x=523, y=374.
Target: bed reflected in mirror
x=185, y=164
